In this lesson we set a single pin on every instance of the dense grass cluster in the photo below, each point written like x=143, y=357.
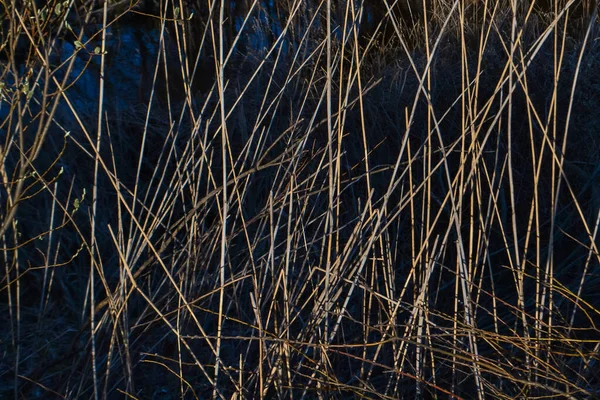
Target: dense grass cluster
x=300, y=199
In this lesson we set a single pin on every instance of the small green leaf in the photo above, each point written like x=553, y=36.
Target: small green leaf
x=97, y=50
x=176, y=12
x=77, y=202
x=78, y=44
x=43, y=13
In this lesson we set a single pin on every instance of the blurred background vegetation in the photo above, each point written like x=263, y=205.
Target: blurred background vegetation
x=299, y=199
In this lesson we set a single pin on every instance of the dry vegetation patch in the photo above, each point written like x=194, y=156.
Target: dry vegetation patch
x=297, y=199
